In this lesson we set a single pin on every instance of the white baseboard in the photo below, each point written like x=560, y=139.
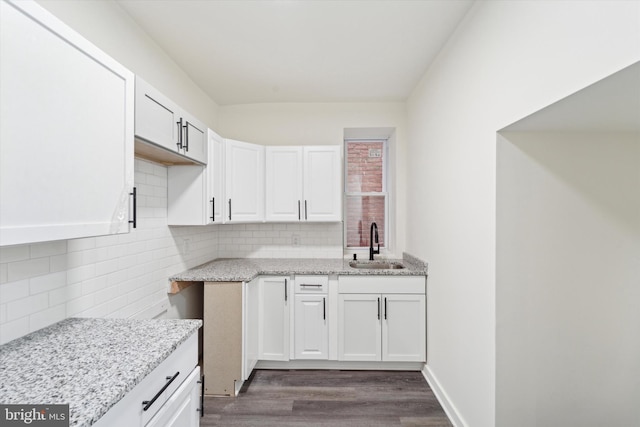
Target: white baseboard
x=443, y=398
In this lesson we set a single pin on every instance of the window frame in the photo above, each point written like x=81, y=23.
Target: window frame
x=384, y=193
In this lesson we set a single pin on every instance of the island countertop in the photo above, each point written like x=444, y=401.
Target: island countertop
x=247, y=269
x=88, y=363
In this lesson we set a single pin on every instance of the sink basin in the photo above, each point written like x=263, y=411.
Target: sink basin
x=380, y=265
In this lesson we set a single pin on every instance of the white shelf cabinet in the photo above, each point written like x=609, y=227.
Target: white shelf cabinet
x=244, y=182
x=194, y=193
x=161, y=122
x=388, y=325
x=273, y=318
x=66, y=133
x=303, y=183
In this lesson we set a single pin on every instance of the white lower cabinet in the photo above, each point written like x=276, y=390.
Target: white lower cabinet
x=311, y=318
x=168, y=396
x=382, y=326
x=359, y=327
x=273, y=318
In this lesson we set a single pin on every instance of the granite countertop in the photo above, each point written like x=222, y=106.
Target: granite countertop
x=88, y=363
x=247, y=269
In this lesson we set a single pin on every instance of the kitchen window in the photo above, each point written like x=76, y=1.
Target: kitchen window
x=366, y=197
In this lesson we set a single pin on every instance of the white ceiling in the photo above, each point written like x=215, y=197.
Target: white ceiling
x=253, y=51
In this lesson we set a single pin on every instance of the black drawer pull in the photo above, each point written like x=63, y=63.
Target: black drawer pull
x=147, y=403
x=310, y=285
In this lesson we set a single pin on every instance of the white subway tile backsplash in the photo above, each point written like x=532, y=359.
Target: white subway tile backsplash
x=78, y=274
x=47, y=282
x=28, y=268
x=14, y=290
x=14, y=329
x=39, y=250
x=77, y=245
x=26, y=306
x=78, y=305
x=46, y=317
x=14, y=253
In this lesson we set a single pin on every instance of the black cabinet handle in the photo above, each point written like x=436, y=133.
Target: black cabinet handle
x=229, y=209
x=298, y=210
x=285, y=289
x=201, y=396
x=179, y=143
x=147, y=403
x=134, y=221
x=378, y=308
x=324, y=308
x=305, y=285
x=305, y=210
x=385, y=308
x=186, y=134
x=213, y=209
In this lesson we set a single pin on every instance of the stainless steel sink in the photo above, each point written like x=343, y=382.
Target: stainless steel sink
x=380, y=265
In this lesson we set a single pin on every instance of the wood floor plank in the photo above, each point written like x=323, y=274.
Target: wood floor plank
x=300, y=398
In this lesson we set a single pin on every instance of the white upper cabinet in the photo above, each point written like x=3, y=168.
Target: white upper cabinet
x=283, y=183
x=244, y=182
x=157, y=117
x=194, y=193
x=322, y=183
x=66, y=131
x=160, y=122
x=303, y=183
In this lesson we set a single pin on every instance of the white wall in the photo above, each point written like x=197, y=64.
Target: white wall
x=324, y=124
x=568, y=257
x=506, y=60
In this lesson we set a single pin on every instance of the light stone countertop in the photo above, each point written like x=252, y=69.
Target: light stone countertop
x=247, y=269
x=88, y=363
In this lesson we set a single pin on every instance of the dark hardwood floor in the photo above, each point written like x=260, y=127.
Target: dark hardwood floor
x=275, y=398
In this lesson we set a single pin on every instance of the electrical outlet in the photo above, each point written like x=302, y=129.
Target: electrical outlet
x=295, y=240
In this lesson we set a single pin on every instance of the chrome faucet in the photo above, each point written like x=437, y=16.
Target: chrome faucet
x=371, y=236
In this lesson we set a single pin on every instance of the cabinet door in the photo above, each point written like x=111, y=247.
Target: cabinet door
x=273, y=313
x=283, y=183
x=359, y=334
x=322, y=183
x=244, y=183
x=215, y=176
x=157, y=117
x=311, y=331
x=183, y=407
x=66, y=131
x=194, y=139
x=404, y=328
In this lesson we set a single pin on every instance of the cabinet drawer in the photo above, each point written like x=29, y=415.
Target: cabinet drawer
x=129, y=410
x=381, y=284
x=312, y=284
